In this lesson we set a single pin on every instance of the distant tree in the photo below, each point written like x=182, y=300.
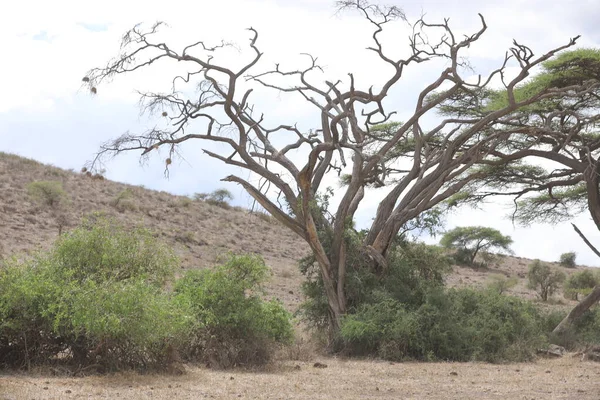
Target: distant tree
x=468, y=241
x=219, y=197
x=51, y=195
x=544, y=279
x=580, y=283
x=422, y=164
x=568, y=260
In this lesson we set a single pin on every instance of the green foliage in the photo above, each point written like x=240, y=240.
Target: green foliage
x=468, y=241
x=457, y=325
x=232, y=324
x=99, y=298
x=568, y=260
x=219, y=198
x=580, y=283
x=413, y=268
x=102, y=250
x=48, y=193
x=544, y=279
x=499, y=283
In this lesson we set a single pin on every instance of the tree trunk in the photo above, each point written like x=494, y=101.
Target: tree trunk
x=578, y=311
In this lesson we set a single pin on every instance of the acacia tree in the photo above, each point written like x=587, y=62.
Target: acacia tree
x=421, y=165
x=470, y=240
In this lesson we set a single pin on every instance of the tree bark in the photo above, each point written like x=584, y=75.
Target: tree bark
x=578, y=311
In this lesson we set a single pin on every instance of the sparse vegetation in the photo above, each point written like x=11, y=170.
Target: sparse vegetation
x=499, y=283
x=47, y=193
x=544, y=279
x=469, y=241
x=125, y=201
x=568, y=260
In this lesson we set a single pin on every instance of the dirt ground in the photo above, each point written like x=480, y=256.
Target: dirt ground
x=565, y=378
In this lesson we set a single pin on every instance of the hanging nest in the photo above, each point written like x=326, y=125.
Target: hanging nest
x=164, y=114
x=168, y=161
x=85, y=79
x=94, y=90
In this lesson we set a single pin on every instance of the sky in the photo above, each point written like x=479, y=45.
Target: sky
x=47, y=116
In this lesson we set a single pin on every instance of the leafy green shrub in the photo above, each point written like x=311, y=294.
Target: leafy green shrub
x=544, y=279
x=48, y=193
x=500, y=284
x=458, y=325
x=102, y=250
x=568, y=260
x=468, y=241
x=232, y=324
x=580, y=283
x=97, y=297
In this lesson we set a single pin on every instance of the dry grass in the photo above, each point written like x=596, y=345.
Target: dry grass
x=566, y=378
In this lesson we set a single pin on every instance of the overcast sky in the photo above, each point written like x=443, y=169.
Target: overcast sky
x=49, y=45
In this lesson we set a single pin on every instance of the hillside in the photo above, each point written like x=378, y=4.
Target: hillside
x=199, y=232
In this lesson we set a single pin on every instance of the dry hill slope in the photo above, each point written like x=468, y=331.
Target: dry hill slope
x=200, y=232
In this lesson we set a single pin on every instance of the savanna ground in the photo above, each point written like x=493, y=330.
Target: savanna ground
x=565, y=378
x=200, y=233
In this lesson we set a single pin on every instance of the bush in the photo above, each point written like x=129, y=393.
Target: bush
x=543, y=279
x=48, y=193
x=233, y=325
x=124, y=201
x=102, y=250
x=568, y=260
x=457, y=325
x=580, y=283
x=96, y=297
x=500, y=284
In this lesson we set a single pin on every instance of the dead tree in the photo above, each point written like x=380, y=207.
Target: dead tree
x=423, y=165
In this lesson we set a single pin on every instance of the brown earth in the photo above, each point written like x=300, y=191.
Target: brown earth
x=201, y=233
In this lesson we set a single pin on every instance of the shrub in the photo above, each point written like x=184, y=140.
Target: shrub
x=543, y=279
x=580, y=283
x=500, y=284
x=468, y=241
x=103, y=250
x=233, y=325
x=568, y=260
x=48, y=193
x=457, y=325
x=94, y=299
x=124, y=201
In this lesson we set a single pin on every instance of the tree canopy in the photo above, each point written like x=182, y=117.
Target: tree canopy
x=470, y=240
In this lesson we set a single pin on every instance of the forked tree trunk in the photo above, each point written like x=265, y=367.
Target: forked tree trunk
x=578, y=311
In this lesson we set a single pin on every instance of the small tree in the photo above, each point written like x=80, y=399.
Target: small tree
x=470, y=240
x=219, y=198
x=499, y=283
x=580, y=283
x=543, y=279
x=50, y=194
x=568, y=259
